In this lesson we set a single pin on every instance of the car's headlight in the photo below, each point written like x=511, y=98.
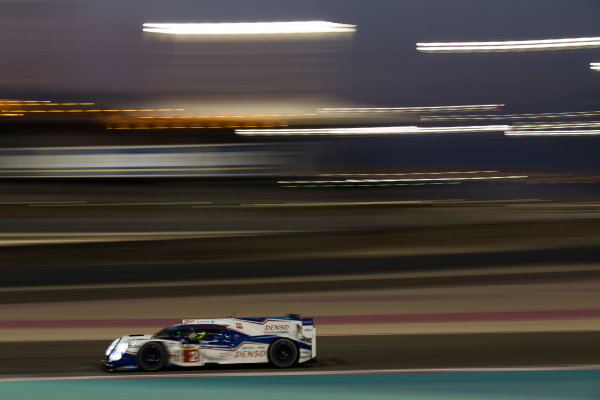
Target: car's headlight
x=112, y=346
x=117, y=353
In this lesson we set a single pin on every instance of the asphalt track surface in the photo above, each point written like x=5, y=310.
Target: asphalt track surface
x=110, y=263
x=40, y=276
x=224, y=192
x=342, y=353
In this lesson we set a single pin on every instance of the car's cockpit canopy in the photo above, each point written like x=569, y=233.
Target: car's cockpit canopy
x=189, y=333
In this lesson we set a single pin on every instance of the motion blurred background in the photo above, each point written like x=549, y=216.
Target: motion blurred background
x=365, y=168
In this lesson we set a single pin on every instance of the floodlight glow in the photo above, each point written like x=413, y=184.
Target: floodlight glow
x=595, y=66
x=386, y=130
x=248, y=28
x=509, y=45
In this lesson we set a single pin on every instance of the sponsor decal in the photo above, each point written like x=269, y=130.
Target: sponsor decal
x=275, y=327
x=250, y=353
x=238, y=325
x=198, y=321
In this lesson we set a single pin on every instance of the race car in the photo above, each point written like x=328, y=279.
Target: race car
x=281, y=341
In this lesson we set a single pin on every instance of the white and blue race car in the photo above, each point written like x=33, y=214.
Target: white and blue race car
x=281, y=341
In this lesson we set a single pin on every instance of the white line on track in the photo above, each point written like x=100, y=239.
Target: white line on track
x=305, y=373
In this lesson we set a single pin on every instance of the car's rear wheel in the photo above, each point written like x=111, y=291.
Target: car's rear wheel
x=152, y=356
x=283, y=353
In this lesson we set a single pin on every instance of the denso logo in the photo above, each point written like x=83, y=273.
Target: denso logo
x=277, y=327
x=238, y=325
x=250, y=353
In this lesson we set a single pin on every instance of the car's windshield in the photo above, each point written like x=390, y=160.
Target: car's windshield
x=174, y=332
x=188, y=332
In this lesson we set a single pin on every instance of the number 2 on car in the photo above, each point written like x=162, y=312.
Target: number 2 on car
x=191, y=355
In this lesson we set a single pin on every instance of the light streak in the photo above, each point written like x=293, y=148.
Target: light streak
x=24, y=101
x=555, y=129
x=510, y=116
x=595, y=66
x=40, y=103
x=91, y=111
x=138, y=127
x=362, y=185
x=375, y=180
x=509, y=45
x=476, y=107
x=387, y=130
x=554, y=133
x=415, y=173
x=229, y=116
x=65, y=170
x=248, y=28
x=10, y=115
x=557, y=125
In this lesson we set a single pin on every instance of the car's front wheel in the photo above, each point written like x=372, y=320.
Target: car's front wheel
x=283, y=353
x=152, y=356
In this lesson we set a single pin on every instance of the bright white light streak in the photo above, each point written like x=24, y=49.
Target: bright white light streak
x=453, y=129
x=415, y=173
x=386, y=130
x=368, y=180
x=474, y=107
x=509, y=45
x=557, y=125
x=248, y=28
x=595, y=66
x=476, y=117
x=589, y=132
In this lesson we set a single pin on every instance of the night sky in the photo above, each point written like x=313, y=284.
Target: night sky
x=90, y=47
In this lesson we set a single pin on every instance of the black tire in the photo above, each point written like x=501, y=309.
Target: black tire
x=283, y=353
x=152, y=356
